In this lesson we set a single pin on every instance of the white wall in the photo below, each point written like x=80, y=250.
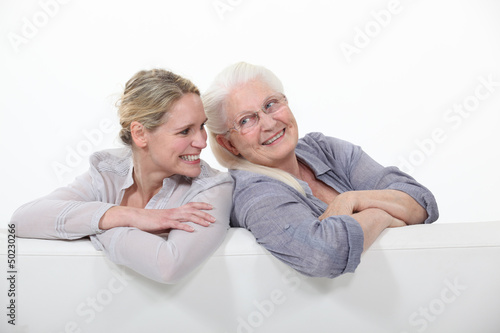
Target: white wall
x=390, y=76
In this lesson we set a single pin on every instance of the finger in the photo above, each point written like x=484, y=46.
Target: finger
x=183, y=226
x=201, y=218
x=172, y=217
x=200, y=205
x=189, y=214
x=332, y=211
x=205, y=216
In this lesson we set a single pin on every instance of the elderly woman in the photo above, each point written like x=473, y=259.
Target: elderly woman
x=316, y=202
x=132, y=197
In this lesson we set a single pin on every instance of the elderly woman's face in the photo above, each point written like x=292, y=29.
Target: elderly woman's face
x=272, y=141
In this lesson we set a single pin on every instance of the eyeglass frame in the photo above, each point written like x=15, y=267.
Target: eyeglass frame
x=279, y=96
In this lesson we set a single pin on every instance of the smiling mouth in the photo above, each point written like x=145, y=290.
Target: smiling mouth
x=190, y=158
x=274, y=138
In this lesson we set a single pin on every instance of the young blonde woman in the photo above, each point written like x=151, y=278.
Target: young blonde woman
x=316, y=203
x=154, y=205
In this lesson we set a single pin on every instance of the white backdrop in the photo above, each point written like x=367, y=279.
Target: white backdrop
x=415, y=83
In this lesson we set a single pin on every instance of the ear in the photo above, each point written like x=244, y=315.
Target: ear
x=226, y=143
x=138, y=133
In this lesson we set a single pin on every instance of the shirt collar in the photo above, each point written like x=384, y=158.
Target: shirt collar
x=129, y=179
x=312, y=160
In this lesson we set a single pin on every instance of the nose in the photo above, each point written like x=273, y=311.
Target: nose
x=200, y=139
x=267, y=122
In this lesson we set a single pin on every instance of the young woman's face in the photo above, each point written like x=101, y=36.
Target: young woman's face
x=272, y=141
x=175, y=146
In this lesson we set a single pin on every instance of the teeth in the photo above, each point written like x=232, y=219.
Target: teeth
x=280, y=134
x=190, y=158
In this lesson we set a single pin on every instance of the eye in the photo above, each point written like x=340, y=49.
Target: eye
x=185, y=132
x=246, y=120
x=271, y=104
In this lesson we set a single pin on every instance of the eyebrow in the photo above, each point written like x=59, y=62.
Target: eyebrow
x=188, y=125
x=275, y=94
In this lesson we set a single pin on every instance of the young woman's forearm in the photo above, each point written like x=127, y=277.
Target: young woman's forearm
x=117, y=216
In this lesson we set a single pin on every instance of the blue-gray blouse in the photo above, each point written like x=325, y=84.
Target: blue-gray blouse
x=286, y=222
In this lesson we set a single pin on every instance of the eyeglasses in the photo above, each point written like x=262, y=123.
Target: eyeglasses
x=245, y=120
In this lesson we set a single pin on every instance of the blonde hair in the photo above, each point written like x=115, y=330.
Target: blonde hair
x=148, y=96
x=214, y=101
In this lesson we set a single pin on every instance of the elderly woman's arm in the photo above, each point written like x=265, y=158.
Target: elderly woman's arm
x=284, y=223
x=289, y=229
x=288, y=223
x=373, y=221
x=372, y=185
x=398, y=204
x=169, y=259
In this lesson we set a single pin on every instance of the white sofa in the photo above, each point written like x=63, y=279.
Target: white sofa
x=428, y=278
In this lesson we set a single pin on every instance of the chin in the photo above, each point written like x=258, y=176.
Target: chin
x=191, y=173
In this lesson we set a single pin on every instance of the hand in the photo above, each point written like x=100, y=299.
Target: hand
x=396, y=223
x=396, y=203
x=158, y=220
x=166, y=219
x=349, y=203
x=343, y=204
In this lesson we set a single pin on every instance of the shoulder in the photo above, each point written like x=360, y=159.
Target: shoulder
x=244, y=178
x=209, y=176
x=210, y=183
x=250, y=186
x=117, y=161
x=327, y=149
x=256, y=195
x=318, y=141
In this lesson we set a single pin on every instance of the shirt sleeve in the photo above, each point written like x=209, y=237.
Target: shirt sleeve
x=70, y=212
x=367, y=174
x=167, y=259
x=355, y=171
x=282, y=221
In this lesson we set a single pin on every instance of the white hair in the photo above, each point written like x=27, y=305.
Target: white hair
x=214, y=101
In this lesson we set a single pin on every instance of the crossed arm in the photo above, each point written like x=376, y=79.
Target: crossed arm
x=129, y=236
x=158, y=220
x=169, y=259
x=376, y=210
x=78, y=210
